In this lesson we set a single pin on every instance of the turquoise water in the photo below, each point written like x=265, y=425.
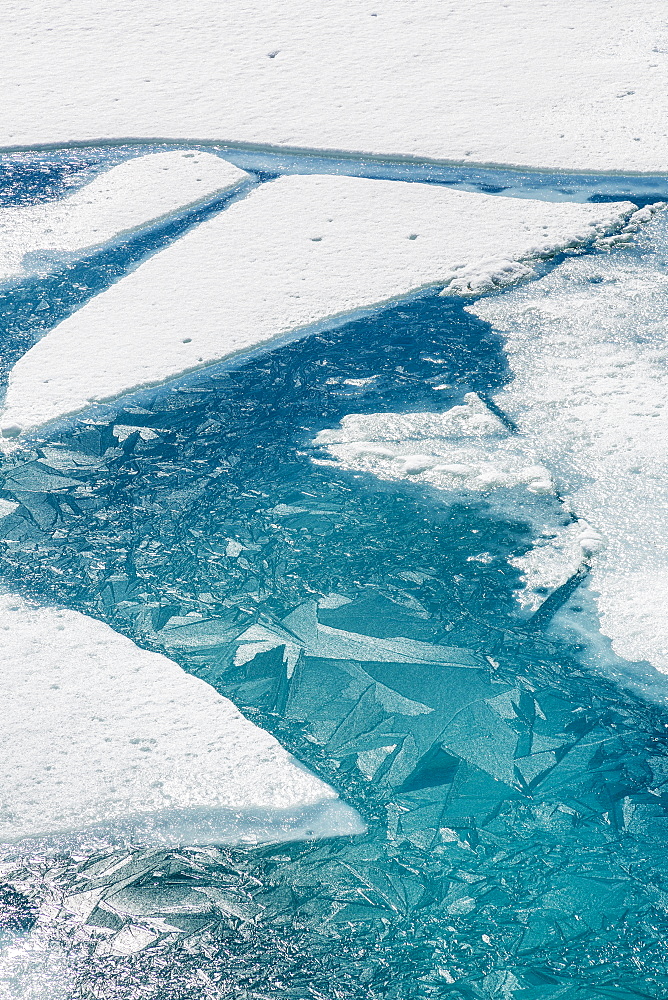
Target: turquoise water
x=515, y=800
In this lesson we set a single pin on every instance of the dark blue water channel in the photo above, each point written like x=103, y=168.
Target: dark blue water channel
x=517, y=803
x=30, y=175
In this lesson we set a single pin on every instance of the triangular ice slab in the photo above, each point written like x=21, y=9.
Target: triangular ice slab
x=103, y=737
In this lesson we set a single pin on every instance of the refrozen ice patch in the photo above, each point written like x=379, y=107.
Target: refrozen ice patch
x=117, y=202
x=103, y=737
x=297, y=252
x=587, y=345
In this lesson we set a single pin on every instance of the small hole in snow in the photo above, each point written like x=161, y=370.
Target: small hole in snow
x=413, y=236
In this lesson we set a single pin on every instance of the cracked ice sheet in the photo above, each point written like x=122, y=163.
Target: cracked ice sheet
x=296, y=252
x=587, y=345
x=103, y=737
x=567, y=85
x=468, y=450
x=118, y=201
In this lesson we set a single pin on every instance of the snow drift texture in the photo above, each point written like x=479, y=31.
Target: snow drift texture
x=569, y=85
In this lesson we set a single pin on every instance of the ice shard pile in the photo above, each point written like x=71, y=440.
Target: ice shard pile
x=103, y=737
x=295, y=253
x=515, y=800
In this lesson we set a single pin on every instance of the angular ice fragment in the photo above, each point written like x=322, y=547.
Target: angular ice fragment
x=118, y=201
x=99, y=735
x=253, y=273
x=337, y=644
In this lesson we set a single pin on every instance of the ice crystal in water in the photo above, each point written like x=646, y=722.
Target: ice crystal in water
x=515, y=801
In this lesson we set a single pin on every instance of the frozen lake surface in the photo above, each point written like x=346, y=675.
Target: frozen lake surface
x=315, y=532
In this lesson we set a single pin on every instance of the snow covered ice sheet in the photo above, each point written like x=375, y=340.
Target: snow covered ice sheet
x=296, y=252
x=118, y=201
x=103, y=737
x=568, y=85
x=587, y=347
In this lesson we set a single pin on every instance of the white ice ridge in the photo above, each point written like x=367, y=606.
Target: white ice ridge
x=118, y=201
x=588, y=348
x=103, y=737
x=570, y=85
x=464, y=450
x=295, y=252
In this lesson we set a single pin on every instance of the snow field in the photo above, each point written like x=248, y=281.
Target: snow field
x=571, y=86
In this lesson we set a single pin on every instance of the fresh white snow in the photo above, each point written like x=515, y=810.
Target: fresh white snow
x=121, y=199
x=296, y=252
x=571, y=85
x=103, y=737
x=587, y=345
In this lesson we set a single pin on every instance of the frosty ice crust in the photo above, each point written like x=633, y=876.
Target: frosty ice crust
x=101, y=736
x=296, y=252
x=118, y=201
x=587, y=347
x=564, y=85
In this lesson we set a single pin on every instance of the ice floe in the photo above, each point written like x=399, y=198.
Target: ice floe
x=468, y=449
x=568, y=85
x=587, y=346
x=103, y=737
x=296, y=252
x=119, y=200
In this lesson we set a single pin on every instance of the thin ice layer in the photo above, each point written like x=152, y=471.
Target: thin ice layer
x=571, y=85
x=296, y=252
x=119, y=200
x=99, y=735
x=587, y=345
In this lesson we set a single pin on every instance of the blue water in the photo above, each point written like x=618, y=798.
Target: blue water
x=32, y=172
x=516, y=811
